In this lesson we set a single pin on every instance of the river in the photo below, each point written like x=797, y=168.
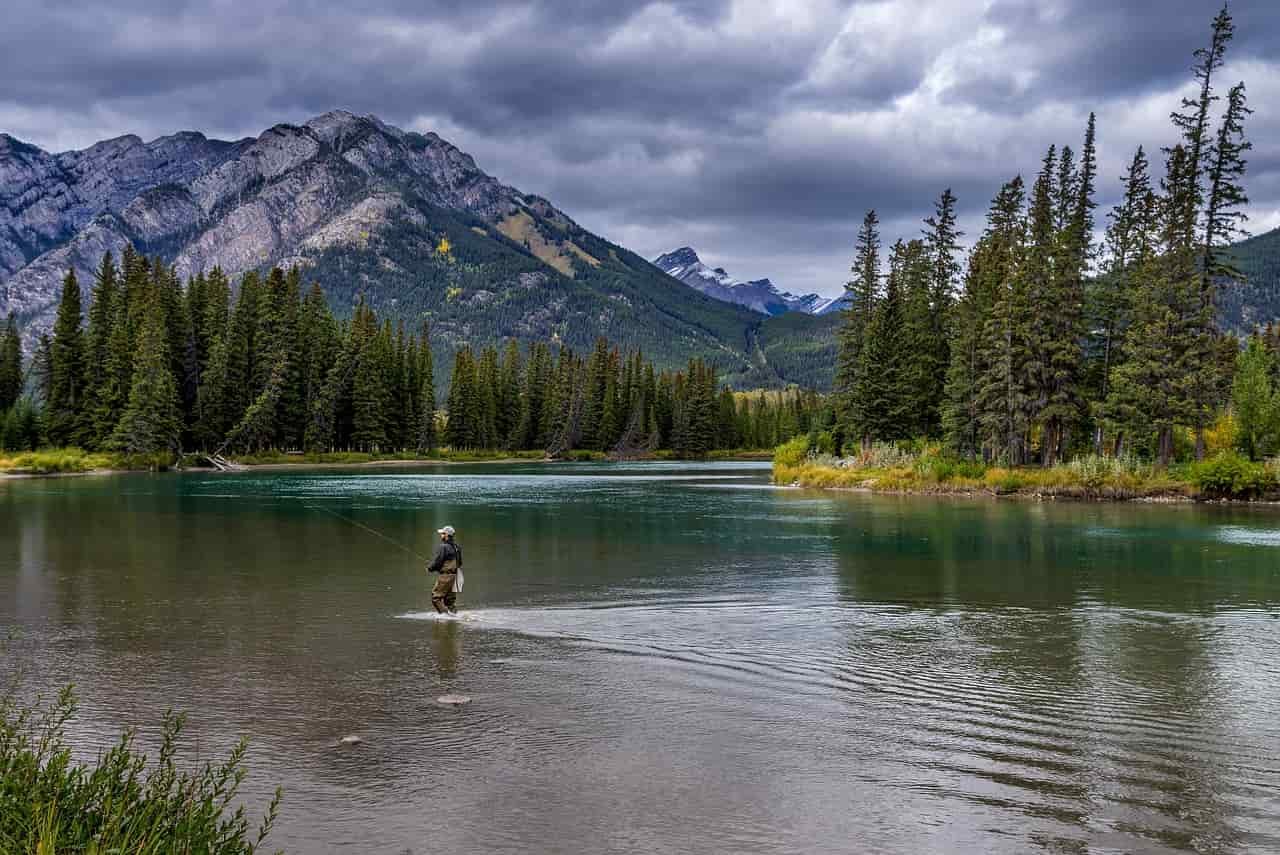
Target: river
x=669, y=658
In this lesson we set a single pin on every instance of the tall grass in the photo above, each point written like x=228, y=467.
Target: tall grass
x=50, y=804
x=56, y=460
x=925, y=467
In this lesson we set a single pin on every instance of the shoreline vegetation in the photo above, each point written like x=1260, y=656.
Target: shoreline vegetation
x=125, y=801
x=929, y=470
x=75, y=461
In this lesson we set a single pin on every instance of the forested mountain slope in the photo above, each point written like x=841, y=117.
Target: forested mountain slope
x=406, y=220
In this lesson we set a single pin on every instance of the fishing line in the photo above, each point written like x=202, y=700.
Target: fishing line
x=371, y=531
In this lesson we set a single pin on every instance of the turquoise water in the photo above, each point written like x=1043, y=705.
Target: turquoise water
x=670, y=658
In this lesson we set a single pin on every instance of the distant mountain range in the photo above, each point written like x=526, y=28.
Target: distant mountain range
x=759, y=295
x=362, y=208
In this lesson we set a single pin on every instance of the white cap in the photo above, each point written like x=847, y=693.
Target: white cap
x=446, y=530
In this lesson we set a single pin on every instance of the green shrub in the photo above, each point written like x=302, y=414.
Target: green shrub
x=823, y=442
x=50, y=803
x=1230, y=476
x=792, y=452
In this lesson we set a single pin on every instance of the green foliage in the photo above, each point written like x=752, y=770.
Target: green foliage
x=51, y=803
x=10, y=364
x=792, y=452
x=1255, y=402
x=1230, y=476
x=152, y=420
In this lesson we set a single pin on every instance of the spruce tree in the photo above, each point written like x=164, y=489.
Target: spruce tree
x=152, y=420
x=66, y=367
x=1223, y=219
x=920, y=371
x=427, y=438
x=860, y=293
x=1000, y=389
x=487, y=393
x=880, y=402
x=463, y=429
x=942, y=247
x=508, y=413
x=10, y=364
x=1130, y=241
x=97, y=339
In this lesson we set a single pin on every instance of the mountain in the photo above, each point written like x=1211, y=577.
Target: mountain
x=405, y=221
x=1256, y=302
x=759, y=295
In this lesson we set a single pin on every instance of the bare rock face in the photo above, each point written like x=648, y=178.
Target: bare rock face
x=200, y=203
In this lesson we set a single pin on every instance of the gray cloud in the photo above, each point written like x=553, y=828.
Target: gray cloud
x=757, y=131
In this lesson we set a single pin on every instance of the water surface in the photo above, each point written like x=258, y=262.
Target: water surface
x=670, y=658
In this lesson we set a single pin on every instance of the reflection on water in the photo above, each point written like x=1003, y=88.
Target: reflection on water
x=669, y=658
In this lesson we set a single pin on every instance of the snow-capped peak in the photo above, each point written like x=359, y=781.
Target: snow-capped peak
x=760, y=295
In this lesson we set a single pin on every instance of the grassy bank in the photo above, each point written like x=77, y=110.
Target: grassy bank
x=886, y=468
x=61, y=461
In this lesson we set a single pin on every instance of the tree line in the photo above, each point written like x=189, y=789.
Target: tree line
x=1045, y=345
x=161, y=366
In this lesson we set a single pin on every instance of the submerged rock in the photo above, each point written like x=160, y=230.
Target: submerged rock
x=453, y=700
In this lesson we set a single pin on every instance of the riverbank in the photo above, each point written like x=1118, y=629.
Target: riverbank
x=74, y=461
x=1226, y=477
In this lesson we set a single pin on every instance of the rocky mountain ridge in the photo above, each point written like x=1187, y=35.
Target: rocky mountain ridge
x=759, y=295
x=404, y=221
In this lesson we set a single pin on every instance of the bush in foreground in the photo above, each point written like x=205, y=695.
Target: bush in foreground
x=50, y=805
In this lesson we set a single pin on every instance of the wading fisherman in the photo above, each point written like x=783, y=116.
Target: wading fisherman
x=448, y=563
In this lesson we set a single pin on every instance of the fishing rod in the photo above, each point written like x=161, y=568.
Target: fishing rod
x=371, y=531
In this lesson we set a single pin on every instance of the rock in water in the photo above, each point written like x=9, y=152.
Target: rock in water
x=350, y=740
x=453, y=700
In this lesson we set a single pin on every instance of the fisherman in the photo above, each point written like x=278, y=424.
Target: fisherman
x=448, y=563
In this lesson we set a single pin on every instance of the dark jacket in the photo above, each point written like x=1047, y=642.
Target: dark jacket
x=448, y=558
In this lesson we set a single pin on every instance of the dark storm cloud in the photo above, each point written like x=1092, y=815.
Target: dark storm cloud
x=757, y=131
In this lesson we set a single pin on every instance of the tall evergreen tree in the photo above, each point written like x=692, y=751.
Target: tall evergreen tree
x=880, y=399
x=10, y=364
x=860, y=292
x=152, y=420
x=427, y=438
x=1002, y=400
x=66, y=366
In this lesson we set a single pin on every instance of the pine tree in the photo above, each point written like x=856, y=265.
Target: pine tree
x=318, y=347
x=537, y=381
x=487, y=388
x=942, y=248
x=10, y=364
x=1193, y=121
x=1000, y=394
x=860, y=292
x=97, y=339
x=66, y=367
x=1130, y=242
x=879, y=399
x=463, y=430
x=213, y=416
x=369, y=392
x=152, y=421
x=508, y=413
x=919, y=351
x=112, y=395
x=427, y=438
x=1223, y=219
x=593, y=405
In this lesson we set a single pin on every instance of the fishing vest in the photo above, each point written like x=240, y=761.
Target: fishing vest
x=454, y=561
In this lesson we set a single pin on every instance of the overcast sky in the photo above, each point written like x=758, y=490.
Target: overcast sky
x=757, y=132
